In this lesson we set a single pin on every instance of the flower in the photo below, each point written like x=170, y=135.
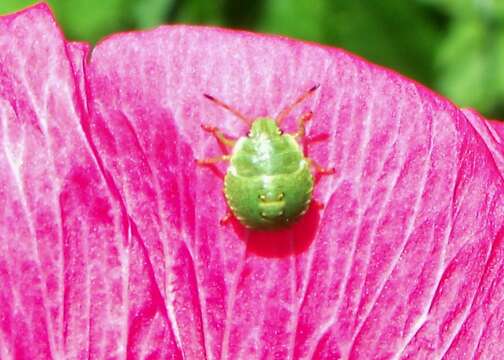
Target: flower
x=110, y=241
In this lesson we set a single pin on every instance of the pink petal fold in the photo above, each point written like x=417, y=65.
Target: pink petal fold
x=76, y=280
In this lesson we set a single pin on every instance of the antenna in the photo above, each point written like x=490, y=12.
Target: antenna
x=228, y=108
x=283, y=114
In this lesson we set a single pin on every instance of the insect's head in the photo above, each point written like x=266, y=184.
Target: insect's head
x=264, y=126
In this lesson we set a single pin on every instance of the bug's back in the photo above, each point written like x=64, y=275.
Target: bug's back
x=268, y=183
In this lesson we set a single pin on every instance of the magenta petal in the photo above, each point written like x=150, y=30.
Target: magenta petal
x=498, y=126
x=409, y=241
x=110, y=242
x=492, y=133
x=75, y=282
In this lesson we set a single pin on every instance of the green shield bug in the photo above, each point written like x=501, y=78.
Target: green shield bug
x=269, y=182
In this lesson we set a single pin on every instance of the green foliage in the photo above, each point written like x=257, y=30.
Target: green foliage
x=150, y=13
x=394, y=33
x=7, y=6
x=469, y=64
x=453, y=46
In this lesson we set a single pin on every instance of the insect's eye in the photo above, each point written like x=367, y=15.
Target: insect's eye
x=280, y=132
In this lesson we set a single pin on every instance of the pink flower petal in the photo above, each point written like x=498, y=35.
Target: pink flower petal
x=110, y=242
x=412, y=217
x=492, y=133
x=76, y=282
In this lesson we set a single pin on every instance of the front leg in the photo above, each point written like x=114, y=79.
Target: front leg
x=221, y=138
x=213, y=160
x=301, y=131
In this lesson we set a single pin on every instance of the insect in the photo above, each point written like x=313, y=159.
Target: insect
x=269, y=182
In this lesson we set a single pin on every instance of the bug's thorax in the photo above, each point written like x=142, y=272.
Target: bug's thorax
x=265, y=151
x=264, y=128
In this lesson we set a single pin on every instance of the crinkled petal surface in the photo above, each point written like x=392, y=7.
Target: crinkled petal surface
x=76, y=281
x=110, y=240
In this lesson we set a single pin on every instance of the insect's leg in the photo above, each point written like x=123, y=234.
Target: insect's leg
x=319, y=170
x=226, y=218
x=213, y=160
x=300, y=133
x=221, y=138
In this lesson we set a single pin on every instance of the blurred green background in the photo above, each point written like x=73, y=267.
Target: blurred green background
x=453, y=46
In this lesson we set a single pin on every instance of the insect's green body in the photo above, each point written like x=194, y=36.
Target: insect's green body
x=268, y=183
